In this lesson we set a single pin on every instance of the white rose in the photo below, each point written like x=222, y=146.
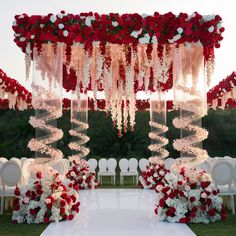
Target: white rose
x=135, y=34
x=60, y=188
x=26, y=200
x=187, y=188
x=203, y=195
x=180, y=30
x=114, y=23
x=211, y=29
x=22, y=39
x=161, y=173
x=48, y=200
x=145, y=39
x=154, y=39
x=155, y=175
x=84, y=177
x=53, y=18
x=65, y=33
x=61, y=26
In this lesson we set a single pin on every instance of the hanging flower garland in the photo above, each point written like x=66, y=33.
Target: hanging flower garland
x=188, y=197
x=120, y=54
x=223, y=94
x=45, y=199
x=80, y=175
x=17, y=96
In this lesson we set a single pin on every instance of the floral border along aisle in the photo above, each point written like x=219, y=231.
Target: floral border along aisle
x=81, y=176
x=153, y=175
x=45, y=199
x=188, y=197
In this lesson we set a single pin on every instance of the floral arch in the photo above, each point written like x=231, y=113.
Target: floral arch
x=120, y=55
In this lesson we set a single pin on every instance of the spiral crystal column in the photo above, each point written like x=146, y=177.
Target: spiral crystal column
x=47, y=102
x=158, y=127
x=79, y=125
x=190, y=98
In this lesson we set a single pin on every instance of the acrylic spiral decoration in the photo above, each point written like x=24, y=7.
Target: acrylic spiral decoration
x=79, y=146
x=159, y=142
x=192, y=155
x=42, y=122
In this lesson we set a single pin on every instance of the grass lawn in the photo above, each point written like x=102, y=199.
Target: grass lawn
x=224, y=228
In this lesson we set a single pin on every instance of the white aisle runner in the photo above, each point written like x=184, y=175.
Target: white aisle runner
x=117, y=212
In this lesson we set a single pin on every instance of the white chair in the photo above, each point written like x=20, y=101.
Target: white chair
x=206, y=166
x=10, y=173
x=222, y=176
x=25, y=171
x=111, y=165
x=133, y=169
x=61, y=167
x=102, y=164
x=124, y=165
x=22, y=160
x=169, y=162
x=143, y=163
x=92, y=164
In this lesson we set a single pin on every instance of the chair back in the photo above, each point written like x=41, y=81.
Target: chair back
x=133, y=164
x=60, y=167
x=222, y=173
x=111, y=164
x=124, y=165
x=10, y=173
x=169, y=162
x=22, y=160
x=25, y=171
x=143, y=163
x=102, y=163
x=92, y=164
x=206, y=166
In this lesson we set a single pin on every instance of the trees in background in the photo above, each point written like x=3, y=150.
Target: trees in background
x=15, y=132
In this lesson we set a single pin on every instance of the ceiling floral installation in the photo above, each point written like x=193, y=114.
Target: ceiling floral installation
x=119, y=54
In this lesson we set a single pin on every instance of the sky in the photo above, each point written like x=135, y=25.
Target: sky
x=12, y=59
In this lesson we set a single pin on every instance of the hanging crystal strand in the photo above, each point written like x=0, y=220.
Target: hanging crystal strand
x=190, y=98
x=158, y=127
x=79, y=124
x=47, y=102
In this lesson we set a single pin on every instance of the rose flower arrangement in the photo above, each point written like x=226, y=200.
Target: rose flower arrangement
x=81, y=176
x=45, y=199
x=153, y=175
x=188, y=197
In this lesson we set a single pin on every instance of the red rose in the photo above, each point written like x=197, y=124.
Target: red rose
x=192, y=199
x=156, y=211
x=62, y=211
x=214, y=192
x=46, y=220
x=28, y=193
x=183, y=220
x=32, y=211
x=39, y=175
x=162, y=202
x=15, y=222
x=172, y=195
x=208, y=201
x=49, y=206
x=71, y=217
x=212, y=212
x=63, y=203
x=17, y=191
x=192, y=214
x=170, y=212
x=205, y=184
x=68, y=199
x=39, y=191
x=194, y=209
x=76, y=187
x=203, y=207
x=179, y=182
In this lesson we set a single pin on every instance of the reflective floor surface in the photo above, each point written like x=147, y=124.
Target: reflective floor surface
x=117, y=212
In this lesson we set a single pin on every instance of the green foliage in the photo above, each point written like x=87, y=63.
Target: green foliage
x=15, y=132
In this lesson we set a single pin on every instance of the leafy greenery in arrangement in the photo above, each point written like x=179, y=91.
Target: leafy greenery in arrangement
x=15, y=132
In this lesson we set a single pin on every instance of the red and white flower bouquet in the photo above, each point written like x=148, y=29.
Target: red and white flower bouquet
x=188, y=197
x=153, y=175
x=81, y=176
x=45, y=199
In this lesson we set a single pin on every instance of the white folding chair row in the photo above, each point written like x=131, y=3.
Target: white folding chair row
x=128, y=168
x=223, y=175
x=107, y=168
x=92, y=164
x=10, y=173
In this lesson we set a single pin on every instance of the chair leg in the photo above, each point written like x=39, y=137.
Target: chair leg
x=2, y=199
x=232, y=204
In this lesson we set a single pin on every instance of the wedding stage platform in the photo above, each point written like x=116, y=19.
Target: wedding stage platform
x=116, y=212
